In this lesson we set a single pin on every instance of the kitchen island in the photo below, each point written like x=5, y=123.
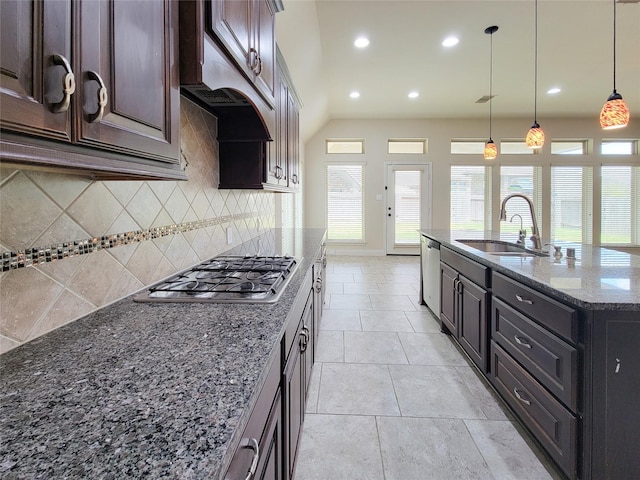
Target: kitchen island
x=556, y=337
x=153, y=390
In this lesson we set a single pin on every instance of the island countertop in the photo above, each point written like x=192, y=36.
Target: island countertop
x=153, y=390
x=599, y=279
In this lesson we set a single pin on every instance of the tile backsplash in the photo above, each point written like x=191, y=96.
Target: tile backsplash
x=70, y=245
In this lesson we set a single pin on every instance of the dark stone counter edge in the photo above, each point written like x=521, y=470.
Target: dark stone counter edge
x=531, y=282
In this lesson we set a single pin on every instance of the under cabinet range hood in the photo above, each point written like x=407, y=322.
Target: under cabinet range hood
x=210, y=79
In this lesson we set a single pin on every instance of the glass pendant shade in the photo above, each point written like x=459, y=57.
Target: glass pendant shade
x=615, y=113
x=490, y=150
x=535, y=136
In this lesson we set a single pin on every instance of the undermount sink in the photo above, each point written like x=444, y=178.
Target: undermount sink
x=501, y=248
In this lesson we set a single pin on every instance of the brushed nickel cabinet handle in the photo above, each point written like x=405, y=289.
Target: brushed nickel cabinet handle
x=519, y=397
x=68, y=87
x=519, y=341
x=294, y=178
x=251, y=443
x=304, y=339
x=102, y=97
x=258, y=69
x=524, y=300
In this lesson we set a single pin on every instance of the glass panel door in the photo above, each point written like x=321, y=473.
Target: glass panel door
x=406, y=185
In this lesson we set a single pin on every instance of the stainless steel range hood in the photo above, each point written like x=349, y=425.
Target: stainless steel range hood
x=211, y=80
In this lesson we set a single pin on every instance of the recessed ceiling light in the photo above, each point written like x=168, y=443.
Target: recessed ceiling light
x=554, y=90
x=354, y=94
x=414, y=94
x=450, y=41
x=361, y=42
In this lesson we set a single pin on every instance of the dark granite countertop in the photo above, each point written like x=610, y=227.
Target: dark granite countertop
x=153, y=390
x=599, y=279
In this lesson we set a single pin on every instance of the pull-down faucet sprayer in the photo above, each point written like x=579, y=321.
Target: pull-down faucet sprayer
x=535, y=232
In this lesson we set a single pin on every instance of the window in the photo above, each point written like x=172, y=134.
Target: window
x=345, y=146
x=467, y=147
x=513, y=147
x=571, y=204
x=345, y=206
x=524, y=180
x=618, y=147
x=569, y=147
x=407, y=145
x=470, y=187
x=620, y=209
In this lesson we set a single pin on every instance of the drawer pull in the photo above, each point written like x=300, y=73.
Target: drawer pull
x=251, y=443
x=519, y=397
x=519, y=341
x=524, y=300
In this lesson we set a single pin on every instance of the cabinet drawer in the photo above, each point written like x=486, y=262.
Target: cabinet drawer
x=552, y=361
x=552, y=424
x=554, y=315
x=474, y=271
x=255, y=430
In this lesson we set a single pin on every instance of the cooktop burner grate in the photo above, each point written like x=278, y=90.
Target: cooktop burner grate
x=228, y=279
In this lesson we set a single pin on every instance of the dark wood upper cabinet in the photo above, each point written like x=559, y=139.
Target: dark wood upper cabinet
x=100, y=79
x=246, y=28
x=35, y=69
x=127, y=58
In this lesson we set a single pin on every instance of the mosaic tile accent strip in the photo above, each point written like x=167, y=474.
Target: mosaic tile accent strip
x=59, y=251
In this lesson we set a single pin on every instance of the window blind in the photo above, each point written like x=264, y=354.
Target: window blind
x=620, y=212
x=571, y=204
x=468, y=197
x=345, y=206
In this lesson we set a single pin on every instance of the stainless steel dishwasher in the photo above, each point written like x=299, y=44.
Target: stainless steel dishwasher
x=430, y=254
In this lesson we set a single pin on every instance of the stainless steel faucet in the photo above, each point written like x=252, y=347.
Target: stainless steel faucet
x=535, y=232
x=522, y=233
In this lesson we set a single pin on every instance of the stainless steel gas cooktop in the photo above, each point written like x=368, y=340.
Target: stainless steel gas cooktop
x=227, y=279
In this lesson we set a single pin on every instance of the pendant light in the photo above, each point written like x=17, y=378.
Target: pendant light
x=535, y=136
x=615, y=113
x=490, y=149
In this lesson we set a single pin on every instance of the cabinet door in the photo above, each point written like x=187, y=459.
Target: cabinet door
x=473, y=322
x=35, y=41
x=264, y=46
x=293, y=162
x=231, y=22
x=277, y=174
x=270, y=464
x=294, y=401
x=309, y=329
x=129, y=93
x=448, y=298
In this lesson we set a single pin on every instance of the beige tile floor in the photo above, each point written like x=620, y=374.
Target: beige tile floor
x=392, y=398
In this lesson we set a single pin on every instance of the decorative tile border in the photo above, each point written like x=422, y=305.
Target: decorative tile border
x=59, y=251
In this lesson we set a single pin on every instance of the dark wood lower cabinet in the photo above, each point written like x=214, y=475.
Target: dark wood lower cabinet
x=473, y=302
x=552, y=424
x=614, y=396
x=260, y=450
x=296, y=378
x=464, y=306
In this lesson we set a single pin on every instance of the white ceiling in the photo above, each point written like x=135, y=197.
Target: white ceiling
x=575, y=53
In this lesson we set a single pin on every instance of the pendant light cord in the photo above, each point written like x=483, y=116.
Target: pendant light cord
x=614, y=46
x=535, y=80
x=491, y=87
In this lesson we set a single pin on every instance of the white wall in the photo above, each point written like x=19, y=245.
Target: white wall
x=439, y=134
